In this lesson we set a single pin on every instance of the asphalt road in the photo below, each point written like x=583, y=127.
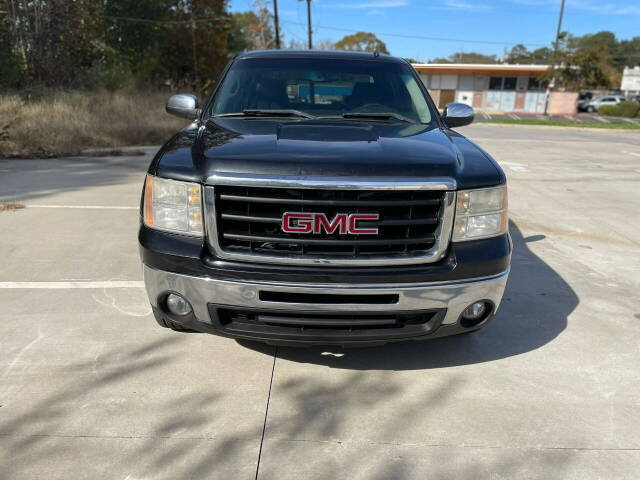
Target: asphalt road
x=91, y=387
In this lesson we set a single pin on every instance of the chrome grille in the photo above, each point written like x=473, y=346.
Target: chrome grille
x=244, y=223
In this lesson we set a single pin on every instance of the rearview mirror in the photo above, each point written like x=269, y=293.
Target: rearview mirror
x=457, y=114
x=184, y=106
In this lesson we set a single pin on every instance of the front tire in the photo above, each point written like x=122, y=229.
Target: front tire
x=591, y=109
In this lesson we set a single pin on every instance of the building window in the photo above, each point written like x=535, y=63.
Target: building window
x=509, y=83
x=534, y=83
x=495, y=83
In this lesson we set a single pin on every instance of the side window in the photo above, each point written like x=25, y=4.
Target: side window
x=495, y=83
x=509, y=83
x=534, y=83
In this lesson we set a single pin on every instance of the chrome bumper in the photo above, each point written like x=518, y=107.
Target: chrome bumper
x=455, y=296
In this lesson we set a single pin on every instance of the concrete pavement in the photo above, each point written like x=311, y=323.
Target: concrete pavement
x=91, y=387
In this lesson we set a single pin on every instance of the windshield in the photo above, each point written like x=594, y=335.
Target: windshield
x=325, y=87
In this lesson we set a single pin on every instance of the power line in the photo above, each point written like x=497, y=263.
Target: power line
x=420, y=37
x=173, y=22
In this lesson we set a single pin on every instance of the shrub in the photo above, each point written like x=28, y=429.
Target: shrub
x=629, y=109
x=610, y=110
x=10, y=69
x=4, y=133
x=623, y=109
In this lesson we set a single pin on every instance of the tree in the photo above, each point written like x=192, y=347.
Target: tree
x=254, y=29
x=54, y=38
x=10, y=64
x=362, y=42
x=469, y=57
x=520, y=54
x=324, y=44
x=583, y=68
x=626, y=54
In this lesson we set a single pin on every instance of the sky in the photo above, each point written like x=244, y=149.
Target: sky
x=449, y=26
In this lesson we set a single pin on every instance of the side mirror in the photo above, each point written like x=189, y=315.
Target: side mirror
x=457, y=114
x=184, y=106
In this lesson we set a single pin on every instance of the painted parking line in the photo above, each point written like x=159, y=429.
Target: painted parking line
x=629, y=120
x=85, y=207
x=514, y=116
x=603, y=120
x=516, y=167
x=72, y=285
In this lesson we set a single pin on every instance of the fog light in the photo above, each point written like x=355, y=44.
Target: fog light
x=178, y=305
x=474, y=311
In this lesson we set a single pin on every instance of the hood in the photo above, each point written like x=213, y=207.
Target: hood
x=324, y=148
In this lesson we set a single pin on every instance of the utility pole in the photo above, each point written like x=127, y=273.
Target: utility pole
x=557, y=43
x=275, y=18
x=556, y=46
x=309, y=21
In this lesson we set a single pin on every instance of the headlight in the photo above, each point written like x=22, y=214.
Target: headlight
x=172, y=205
x=480, y=213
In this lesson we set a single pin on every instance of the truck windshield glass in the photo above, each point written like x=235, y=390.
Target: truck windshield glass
x=327, y=87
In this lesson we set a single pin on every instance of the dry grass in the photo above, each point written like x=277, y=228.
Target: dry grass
x=65, y=123
x=4, y=207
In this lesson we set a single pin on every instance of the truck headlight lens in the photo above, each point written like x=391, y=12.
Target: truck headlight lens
x=480, y=213
x=172, y=205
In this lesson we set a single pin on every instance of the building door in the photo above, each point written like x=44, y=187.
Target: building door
x=520, y=99
x=446, y=96
x=477, y=99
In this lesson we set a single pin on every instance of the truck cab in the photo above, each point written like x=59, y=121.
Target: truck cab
x=321, y=198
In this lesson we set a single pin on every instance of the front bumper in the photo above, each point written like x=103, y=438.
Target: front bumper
x=443, y=301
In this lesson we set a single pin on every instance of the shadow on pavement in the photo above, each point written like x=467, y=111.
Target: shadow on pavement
x=30, y=179
x=533, y=312
x=170, y=442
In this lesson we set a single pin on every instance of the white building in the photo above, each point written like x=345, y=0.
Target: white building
x=494, y=88
x=630, y=81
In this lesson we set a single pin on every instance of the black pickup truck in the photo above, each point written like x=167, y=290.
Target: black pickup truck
x=321, y=198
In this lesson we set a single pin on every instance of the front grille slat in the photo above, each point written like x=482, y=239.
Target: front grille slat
x=337, y=203
x=328, y=241
x=248, y=221
x=320, y=321
x=240, y=319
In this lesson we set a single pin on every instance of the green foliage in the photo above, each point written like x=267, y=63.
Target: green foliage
x=520, y=54
x=469, y=57
x=4, y=133
x=10, y=69
x=623, y=109
x=253, y=30
x=629, y=109
x=584, y=68
x=610, y=111
x=362, y=42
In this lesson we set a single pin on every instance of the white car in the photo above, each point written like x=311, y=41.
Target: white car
x=596, y=103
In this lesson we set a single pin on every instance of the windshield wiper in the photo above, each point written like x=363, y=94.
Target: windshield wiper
x=377, y=116
x=268, y=113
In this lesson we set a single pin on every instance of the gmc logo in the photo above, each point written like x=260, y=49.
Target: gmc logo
x=343, y=223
